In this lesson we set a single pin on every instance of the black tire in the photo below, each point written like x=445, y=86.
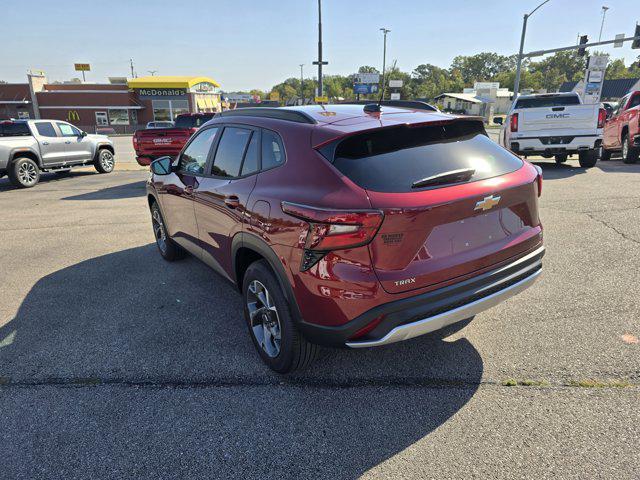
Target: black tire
x=105, y=161
x=169, y=250
x=588, y=158
x=293, y=352
x=605, y=155
x=630, y=153
x=561, y=158
x=24, y=173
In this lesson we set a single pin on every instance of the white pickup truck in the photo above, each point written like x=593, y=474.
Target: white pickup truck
x=554, y=125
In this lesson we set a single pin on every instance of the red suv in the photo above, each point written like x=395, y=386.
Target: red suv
x=350, y=226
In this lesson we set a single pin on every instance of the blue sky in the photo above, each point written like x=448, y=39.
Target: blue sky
x=251, y=43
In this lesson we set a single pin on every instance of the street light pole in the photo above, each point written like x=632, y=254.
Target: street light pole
x=301, y=84
x=384, y=57
x=319, y=62
x=516, y=85
x=604, y=14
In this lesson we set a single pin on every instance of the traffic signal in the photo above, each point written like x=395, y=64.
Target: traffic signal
x=583, y=39
x=636, y=42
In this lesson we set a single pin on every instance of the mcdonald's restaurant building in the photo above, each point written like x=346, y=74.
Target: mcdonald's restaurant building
x=121, y=106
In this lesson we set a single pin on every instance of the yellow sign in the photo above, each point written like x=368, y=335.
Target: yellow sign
x=82, y=67
x=275, y=96
x=322, y=99
x=73, y=115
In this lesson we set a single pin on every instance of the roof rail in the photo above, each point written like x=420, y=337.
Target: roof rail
x=270, y=112
x=412, y=104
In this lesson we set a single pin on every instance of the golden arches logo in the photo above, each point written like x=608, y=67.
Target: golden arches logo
x=73, y=115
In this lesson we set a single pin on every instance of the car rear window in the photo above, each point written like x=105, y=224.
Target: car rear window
x=551, y=101
x=393, y=159
x=191, y=121
x=11, y=129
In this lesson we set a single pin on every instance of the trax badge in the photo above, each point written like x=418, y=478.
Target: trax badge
x=405, y=282
x=487, y=203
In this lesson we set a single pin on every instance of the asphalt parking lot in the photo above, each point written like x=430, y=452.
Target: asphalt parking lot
x=114, y=363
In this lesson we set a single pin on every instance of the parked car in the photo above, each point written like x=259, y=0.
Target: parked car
x=349, y=226
x=153, y=143
x=622, y=130
x=554, y=125
x=166, y=124
x=28, y=147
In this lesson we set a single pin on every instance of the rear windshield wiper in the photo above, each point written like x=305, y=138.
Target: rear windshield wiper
x=453, y=176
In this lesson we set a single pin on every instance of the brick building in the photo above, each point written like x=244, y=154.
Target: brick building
x=118, y=107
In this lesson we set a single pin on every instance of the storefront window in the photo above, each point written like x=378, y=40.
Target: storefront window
x=101, y=119
x=167, y=110
x=118, y=116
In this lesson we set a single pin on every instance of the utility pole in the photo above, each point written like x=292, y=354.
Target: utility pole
x=152, y=72
x=516, y=85
x=604, y=14
x=301, y=84
x=319, y=62
x=384, y=58
x=131, y=63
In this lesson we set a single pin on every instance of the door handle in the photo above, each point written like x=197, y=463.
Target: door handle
x=67, y=142
x=232, y=201
x=45, y=143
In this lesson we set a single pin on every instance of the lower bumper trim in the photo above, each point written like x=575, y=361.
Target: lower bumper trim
x=436, y=322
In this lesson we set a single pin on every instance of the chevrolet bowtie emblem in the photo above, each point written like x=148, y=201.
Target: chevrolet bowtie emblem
x=487, y=203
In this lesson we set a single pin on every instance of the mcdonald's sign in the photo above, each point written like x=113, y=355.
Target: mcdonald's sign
x=73, y=115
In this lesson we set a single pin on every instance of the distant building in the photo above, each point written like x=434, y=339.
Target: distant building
x=612, y=90
x=479, y=100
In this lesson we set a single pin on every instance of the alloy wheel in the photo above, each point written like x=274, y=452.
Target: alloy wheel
x=265, y=322
x=27, y=173
x=158, y=230
x=106, y=160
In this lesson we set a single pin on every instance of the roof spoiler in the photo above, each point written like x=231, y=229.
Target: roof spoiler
x=410, y=104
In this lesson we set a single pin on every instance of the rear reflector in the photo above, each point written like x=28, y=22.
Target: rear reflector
x=336, y=229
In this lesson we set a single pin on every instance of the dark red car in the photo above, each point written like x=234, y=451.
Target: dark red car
x=153, y=143
x=348, y=226
x=622, y=130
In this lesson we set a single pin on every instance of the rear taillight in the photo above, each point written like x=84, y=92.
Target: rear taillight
x=514, y=122
x=539, y=179
x=336, y=229
x=602, y=117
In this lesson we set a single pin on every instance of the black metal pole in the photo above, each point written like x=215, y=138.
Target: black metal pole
x=320, y=48
x=301, y=85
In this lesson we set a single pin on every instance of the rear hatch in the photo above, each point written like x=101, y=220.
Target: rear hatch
x=161, y=141
x=454, y=201
x=556, y=115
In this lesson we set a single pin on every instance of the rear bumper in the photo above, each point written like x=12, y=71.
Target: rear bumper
x=413, y=316
x=554, y=145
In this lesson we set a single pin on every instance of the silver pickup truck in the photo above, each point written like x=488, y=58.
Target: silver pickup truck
x=28, y=147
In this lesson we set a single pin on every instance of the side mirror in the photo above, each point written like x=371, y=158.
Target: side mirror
x=82, y=134
x=497, y=120
x=162, y=166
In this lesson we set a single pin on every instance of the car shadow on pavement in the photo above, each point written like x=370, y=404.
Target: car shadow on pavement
x=166, y=345
x=556, y=171
x=129, y=190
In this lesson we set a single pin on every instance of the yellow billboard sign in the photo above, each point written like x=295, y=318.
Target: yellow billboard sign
x=322, y=99
x=82, y=67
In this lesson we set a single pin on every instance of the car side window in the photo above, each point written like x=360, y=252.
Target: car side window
x=635, y=101
x=68, y=130
x=250, y=163
x=46, y=129
x=230, y=152
x=272, y=150
x=194, y=157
